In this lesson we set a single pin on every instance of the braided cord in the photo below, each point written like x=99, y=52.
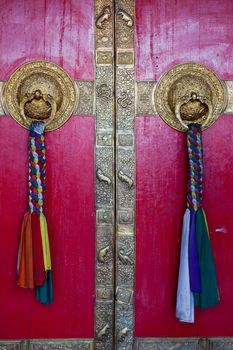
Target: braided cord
x=37, y=167
x=195, y=167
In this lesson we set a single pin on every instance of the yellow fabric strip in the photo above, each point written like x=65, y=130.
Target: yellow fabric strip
x=206, y=222
x=45, y=243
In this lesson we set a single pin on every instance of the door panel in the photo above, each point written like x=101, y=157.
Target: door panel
x=168, y=34
x=70, y=214
x=63, y=32
x=107, y=170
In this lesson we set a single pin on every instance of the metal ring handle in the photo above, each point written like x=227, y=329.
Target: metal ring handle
x=35, y=95
x=185, y=100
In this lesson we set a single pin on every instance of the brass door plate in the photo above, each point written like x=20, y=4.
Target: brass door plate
x=190, y=93
x=40, y=90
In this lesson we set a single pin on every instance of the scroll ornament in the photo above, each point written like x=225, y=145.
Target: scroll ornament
x=189, y=98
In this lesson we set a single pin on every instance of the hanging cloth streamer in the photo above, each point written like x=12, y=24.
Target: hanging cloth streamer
x=34, y=260
x=197, y=283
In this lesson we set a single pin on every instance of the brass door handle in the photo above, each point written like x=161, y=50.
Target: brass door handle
x=47, y=110
x=190, y=93
x=194, y=108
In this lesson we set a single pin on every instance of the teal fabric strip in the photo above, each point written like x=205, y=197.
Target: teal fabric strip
x=209, y=295
x=44, y=294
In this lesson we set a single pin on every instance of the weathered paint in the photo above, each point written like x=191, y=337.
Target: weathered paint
x=60, y=31
x=168, y=33
x=177, y=31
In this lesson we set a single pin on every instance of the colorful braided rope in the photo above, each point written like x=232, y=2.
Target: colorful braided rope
x=37, y=167
x=197, y=283
x=34, y=262
x=195, y=167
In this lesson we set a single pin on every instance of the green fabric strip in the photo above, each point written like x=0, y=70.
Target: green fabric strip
x=44, y=293
x=209, y=295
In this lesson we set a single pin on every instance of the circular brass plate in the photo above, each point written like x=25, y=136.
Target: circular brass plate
x=50, y=79
x=182, y=80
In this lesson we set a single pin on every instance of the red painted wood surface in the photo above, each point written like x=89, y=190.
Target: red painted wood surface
x=71, y=222
x=171, y=32
x=60, y=31
x=176, y=31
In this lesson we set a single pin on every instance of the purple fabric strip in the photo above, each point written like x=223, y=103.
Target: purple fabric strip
x=194, y=269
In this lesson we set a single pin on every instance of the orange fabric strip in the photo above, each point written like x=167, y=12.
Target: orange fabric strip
x=25, y=274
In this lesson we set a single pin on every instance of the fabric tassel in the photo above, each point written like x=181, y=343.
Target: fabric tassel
x=209, y=295
x=44, y=293
x=38, y=265
x=25, y=257
x=34, y=260
x=194, y=270
x=199, y=271
x=185, y=302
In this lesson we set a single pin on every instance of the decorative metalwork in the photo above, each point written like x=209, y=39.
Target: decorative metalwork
x=85, y=103
x=104, y=17
x=124, y=37
x=125, y=180
x=188, y=93
x=229, y=87
x=124, y=100
x=103, y=253
x=102, y=177
x=104, y=169
x=140, y=343
x=103, y=91
x=124, y=257
x=125, y=57
x=47, y=344
x=167, y=344
x=1, y=99
x=144, y=93
x=221, y=343
x=184, y=343
x=104, y=57
x=122, y=334
x=40, y=90
x=125, y=17
x=145, y=98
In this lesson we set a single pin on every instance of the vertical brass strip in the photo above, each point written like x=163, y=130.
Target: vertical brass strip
x=125, y=173
x=104, y=170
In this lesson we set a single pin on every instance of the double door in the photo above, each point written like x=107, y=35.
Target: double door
x=115, y=176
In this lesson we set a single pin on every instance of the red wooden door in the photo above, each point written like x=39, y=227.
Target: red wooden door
x=148, y=165
x=169, y=33
x=61, y=32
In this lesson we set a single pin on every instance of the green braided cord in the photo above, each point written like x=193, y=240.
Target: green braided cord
x=195, y=170
x=37, y=165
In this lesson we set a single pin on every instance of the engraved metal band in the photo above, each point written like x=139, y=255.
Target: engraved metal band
x=145, y=104
x=125, y=174
x=47, y=344
x=190, y=343
x=104, y=170
x=144, y=95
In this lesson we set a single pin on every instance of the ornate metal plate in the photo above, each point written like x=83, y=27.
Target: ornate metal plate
x=174, y=101
x=40, y=90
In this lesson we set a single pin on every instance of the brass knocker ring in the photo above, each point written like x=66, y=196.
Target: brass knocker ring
x=194, y=116
x=38, y=95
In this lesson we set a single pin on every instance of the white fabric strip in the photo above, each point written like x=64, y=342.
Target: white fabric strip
x=185, y=300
